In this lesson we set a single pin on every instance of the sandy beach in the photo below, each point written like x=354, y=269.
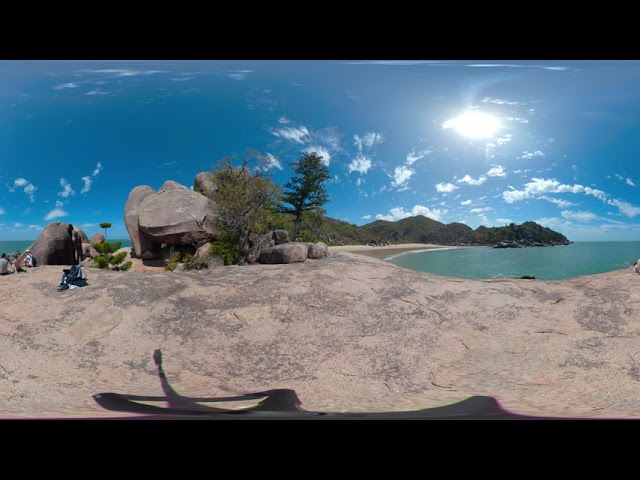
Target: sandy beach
x=383, y=252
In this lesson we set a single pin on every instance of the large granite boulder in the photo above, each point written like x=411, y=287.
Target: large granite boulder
x=138, y=244
x=58, y=244
x=318, y=250
x=204, y=183
x=167, y=215
x=97, y=238
x=280, y=236
x=285, y=253
x=81, y=234
x=171, y=185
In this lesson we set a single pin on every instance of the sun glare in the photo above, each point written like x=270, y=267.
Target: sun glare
x=474, y=125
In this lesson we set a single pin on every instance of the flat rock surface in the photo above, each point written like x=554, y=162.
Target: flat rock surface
x=347, y=333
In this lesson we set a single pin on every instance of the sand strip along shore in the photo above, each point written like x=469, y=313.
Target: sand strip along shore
x=383, y=252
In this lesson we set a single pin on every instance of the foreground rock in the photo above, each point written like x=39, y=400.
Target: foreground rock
x=348, y=333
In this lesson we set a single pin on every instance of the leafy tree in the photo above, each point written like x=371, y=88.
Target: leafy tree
x=305, y=191
x=246, y=198
x=107, y=257
x=105, y=225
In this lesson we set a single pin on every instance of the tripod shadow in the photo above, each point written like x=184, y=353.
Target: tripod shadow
x=278, y=400
x=281, y=403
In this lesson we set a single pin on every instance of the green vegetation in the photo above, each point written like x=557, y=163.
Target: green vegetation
x=305, y=191
x=105, y=225
x=420, y=229
x=247, y=198
x=107, y=257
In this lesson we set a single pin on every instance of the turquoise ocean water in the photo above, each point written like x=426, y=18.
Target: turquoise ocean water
x=545, y=263
x=9, y=247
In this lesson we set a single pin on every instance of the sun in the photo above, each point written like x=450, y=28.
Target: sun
x=474, y=124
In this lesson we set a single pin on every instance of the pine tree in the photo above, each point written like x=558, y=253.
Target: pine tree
x=305, y=192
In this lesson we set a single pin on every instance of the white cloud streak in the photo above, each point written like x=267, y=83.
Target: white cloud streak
x=66, y=189
x=580, y=217
x=445, y=187
x=87, y=184
x=401, y=176
x=497, y=171
x=294, y=134
x=470, y=181
x=398, y=213
x=55, y=213
x=360, y=164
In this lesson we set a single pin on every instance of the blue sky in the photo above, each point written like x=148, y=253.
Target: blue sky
x=478, y=142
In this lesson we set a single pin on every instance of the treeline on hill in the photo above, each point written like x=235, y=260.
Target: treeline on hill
x=421, y=229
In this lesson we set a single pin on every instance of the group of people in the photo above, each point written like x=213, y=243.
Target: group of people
x=15, y=263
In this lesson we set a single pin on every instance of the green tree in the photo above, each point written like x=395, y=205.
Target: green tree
x=105, y=225
x=305, y=191
x=246, y=198
x=107, y=257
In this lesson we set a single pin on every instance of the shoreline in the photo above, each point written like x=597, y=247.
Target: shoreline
x=387, y=251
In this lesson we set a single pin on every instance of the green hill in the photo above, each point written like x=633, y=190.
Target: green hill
x=420, y=229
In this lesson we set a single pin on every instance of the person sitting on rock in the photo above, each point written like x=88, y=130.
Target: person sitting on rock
x=17, y=268
x=4, y=265
x=636, y=266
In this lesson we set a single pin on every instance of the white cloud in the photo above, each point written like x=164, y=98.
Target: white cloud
x=470, y=181
x=414, y=156
x=66, y=189
x=35, y=227
x=284, y=121
x=504, y=220
x=551, y=222
x=58, y=203
x=359, y=181
x=97, y=91
x=366, y=217
x=499, y=101
x=29, y=188
x=625, y=208
x=519, y=120
x=62, y=86
x=272, y=162
x=360, y=164
x=18, y=225
x=97, y=170
x=480, y=210
x=618, y=176
x=581, y=217
x=466, y=202
x=599, y=194
x=445, y=187
x=2, y=211
x=87, y=184
x=559, y=202
x=398, y=213
x=537, y=153
x=540, y=186
x=401, y=176
x=55, y=213
x=630, y=182
x=295, y=134
x=497, y=171
x=321, y=151
x=368, y=140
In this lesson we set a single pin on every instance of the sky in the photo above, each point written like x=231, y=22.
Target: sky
x=478, y=142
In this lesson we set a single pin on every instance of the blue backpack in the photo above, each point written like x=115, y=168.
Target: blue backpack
x=73, y=276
